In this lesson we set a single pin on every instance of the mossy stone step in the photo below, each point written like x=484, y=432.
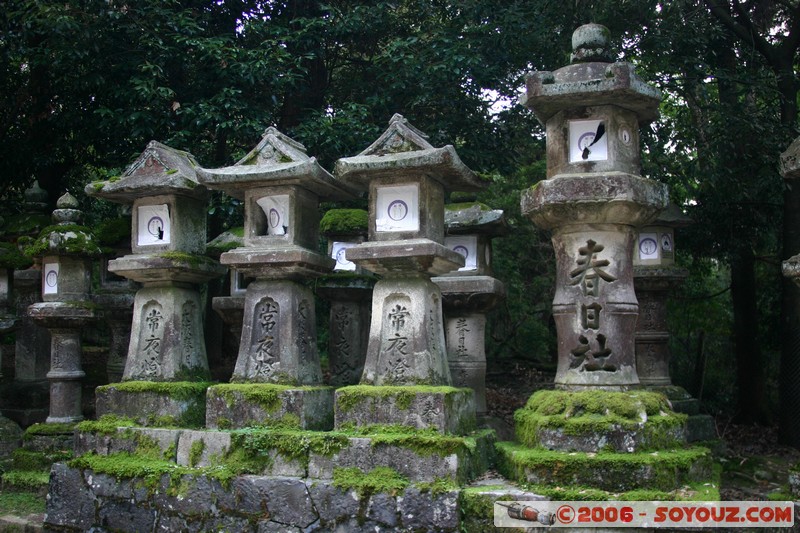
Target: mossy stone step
x=591, y=421
x=231, y=406
x=664, y=470
x=448, y=410
x=420, y=456
x=155, y=403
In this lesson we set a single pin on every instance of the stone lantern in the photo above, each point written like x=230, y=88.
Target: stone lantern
x=469, y=293
x=655, y=277
x=168, y=240
x=281, y=187
x=592, y=201
x=349, y=290
x=406, y=178
x=66, y=253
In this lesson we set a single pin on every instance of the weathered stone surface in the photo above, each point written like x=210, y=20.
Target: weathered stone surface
x=213, y=445
x=70, y=503
x=288, y=501
x=279, y=335
x=163, y=267
x=423, y=510
x=664, y=470
x=445, y=409
x=288, y=262
x=382, y=508
x=233, y=406
x=406, y=336
x=408, y=256
x=126, y=516
x=332, y=503
x=106, y=486
x=10, y=437
x=150, y=407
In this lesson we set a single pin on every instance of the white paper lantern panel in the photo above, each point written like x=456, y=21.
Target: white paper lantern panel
x=466, y=245
x=276, y=209
x=648, y=246
x=397, y=208
x=50, y=278
x=587, y=141
x=154, y=225
x=338, y=253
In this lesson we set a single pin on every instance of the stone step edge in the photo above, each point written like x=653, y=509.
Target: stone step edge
x=426, y=457
x=664, y=470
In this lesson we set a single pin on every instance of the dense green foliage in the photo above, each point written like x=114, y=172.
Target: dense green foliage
x=84, y=85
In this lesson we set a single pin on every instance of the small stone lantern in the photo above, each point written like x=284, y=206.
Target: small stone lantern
x=655, y=277
x=168, y=242
x=349, y=290
x=469, y=293
x=592, y=201
x=66, y=251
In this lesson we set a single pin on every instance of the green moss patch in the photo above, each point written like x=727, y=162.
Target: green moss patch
x=10, y=257
x=21, y=503
x=252, y=449
x=73, y=239
x=377, y=480
x=265, y=395
x=48, y=430
x=114, y=231
x=344, y=222
x=598, y=412
x=620, y=472
x=177, y=390
x=106, y=425
x=348, y=398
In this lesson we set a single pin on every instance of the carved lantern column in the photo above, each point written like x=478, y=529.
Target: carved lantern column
x=592, y=201
x=406, y=178
x=281, y=187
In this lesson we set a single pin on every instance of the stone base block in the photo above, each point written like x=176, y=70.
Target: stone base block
x=154, y=442
x=665, y=470
x=417, y=457
x=150, y=403
x=594, y=421
x=445, y=409
x=231, y=406
x=701, y=428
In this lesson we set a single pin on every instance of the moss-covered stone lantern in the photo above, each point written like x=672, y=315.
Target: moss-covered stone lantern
x=168, y=239
x=281, y=187
x=592, y=201
x=66, y=250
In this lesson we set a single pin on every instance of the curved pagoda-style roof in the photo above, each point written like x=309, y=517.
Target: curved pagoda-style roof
x=277, y=160
x=158, y=170
x=402, y=150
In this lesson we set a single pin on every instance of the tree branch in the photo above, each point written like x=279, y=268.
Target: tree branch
x=743, y=27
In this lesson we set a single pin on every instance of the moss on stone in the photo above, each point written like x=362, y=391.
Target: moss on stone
x=177, y=390
x=193, y=260
x=196, y=452
x=253, y=446
x=48, y=430
x=238, y=231
x=26, y=479
x=344, y=222
x=437, y=487
x=25, y=223
x=10, y=257
x=21, y=503
x=105, y=425
x=378, y=480
x=73, y=239
x=347, y=398
x=466, y=205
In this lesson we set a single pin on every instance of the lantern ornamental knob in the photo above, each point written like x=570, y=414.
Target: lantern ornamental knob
x=590, y=43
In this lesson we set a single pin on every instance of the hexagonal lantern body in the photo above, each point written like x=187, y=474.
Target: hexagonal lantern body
x=168, y=239
x=406, y=178
x=281, y=187
x=593, y=200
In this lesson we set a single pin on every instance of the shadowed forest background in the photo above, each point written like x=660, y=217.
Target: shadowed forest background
x=85, y=84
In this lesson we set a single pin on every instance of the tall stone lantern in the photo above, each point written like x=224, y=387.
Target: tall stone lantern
x=66, y=251
x=592, y=201
x=168, y=242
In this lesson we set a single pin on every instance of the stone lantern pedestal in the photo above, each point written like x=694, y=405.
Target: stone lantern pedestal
x=406, y=178
x=281, y=187
x=167, y=257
